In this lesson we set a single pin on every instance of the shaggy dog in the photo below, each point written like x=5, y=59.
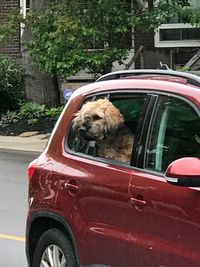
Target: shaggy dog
x=102, y=122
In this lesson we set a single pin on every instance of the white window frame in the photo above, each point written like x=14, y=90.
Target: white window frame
x=24, y=9
x=174, y=43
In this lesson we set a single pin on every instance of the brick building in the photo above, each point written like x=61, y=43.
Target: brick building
x=12, y=47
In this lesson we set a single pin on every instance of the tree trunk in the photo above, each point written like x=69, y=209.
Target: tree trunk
x=39, y=87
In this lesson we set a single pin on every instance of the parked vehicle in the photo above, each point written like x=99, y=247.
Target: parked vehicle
x=89, y=210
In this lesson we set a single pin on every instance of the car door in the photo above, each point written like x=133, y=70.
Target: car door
x=166, y=219
x=101, y=210
x=97, y=191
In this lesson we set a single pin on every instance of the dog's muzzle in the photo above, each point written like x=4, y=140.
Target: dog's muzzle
x=85, y=134
x=82, y=131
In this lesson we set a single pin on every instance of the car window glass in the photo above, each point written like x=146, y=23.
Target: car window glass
x=117, y=143
x=175, y=133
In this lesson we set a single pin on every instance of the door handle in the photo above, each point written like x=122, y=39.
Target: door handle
x=138, y=202
x=72, y=187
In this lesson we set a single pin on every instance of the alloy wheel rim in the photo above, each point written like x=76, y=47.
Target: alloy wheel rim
x=53, y=257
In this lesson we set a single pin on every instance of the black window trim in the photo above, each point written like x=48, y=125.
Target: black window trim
x=141, y=146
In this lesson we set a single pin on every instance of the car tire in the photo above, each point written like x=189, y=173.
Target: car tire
x=54, y=249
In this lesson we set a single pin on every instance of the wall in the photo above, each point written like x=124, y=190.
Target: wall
x=151, y=56
x=12, y=47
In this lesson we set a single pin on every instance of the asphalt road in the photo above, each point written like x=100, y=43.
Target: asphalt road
x=13, y=209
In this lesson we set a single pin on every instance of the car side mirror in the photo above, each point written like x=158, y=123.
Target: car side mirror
x=184, y=172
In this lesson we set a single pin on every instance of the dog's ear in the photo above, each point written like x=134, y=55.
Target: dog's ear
x=98, y=115
x=76, y=121
x=113, y=119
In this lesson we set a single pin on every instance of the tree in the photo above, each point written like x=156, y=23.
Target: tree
x=68, y=36
x=76, y=35
x=162, y=11
x=40, y=87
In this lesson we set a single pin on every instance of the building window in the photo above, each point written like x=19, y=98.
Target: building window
x=177, y=35
x=180, y=34
x=25, y=6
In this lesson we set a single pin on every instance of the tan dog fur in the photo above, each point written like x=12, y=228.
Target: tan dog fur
x=102, y=122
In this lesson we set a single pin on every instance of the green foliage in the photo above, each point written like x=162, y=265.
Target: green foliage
x=8, y=118
x=11, y=85
x=168, y=11
x=75, y=35
x=33, y=121
x=64, y=40
x=184, y=68
x=69, y=36
x=32, y=112
x=11, y=25
x=54, y=112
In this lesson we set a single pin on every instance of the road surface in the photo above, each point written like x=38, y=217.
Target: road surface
x=13, y=209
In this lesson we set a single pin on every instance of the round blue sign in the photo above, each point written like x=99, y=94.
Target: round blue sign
x=67, y=93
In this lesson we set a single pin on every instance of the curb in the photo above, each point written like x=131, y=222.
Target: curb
x=20, y=151
x=32, y=145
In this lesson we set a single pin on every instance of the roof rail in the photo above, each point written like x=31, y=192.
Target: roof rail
x=191, y=78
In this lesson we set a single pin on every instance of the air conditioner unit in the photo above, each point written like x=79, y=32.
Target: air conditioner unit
x=177, y=35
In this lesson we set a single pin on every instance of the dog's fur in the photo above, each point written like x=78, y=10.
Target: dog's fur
x=102, y=122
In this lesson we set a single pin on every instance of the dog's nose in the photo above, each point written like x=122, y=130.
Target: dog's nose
x=82, y=130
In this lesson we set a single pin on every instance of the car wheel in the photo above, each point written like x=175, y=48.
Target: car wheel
x=54, y=250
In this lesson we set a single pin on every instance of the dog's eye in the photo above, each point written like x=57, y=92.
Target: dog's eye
x=88, y=117
x=96, y=117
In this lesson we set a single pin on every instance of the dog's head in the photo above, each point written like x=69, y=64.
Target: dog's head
x=97, y=120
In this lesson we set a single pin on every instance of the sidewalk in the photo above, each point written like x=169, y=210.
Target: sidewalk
x=32, y=145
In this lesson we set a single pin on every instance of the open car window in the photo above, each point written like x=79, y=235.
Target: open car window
x=130, y=107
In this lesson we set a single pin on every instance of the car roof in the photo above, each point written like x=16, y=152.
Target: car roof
x=120, y=85
x=165, y=74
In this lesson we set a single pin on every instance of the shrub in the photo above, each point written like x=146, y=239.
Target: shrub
x=32, y=112
x=54, y=112
x=9, y=118
x=11, y=85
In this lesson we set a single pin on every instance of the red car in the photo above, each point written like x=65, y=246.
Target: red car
x=91, y=210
